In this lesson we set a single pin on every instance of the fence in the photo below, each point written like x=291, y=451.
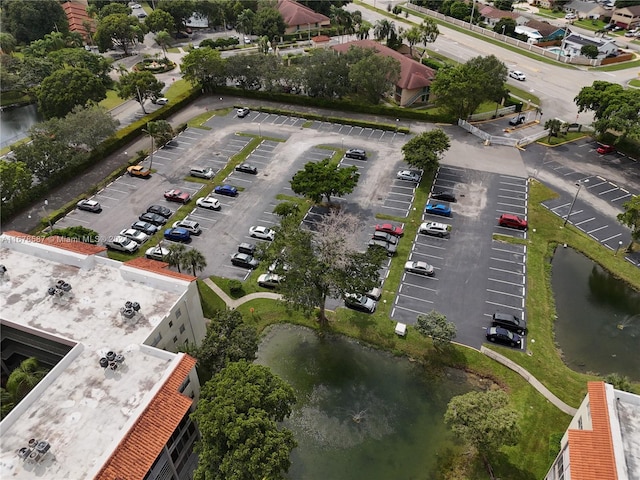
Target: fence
x=496, y=140
x=486, y=115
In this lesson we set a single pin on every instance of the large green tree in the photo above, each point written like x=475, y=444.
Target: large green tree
x=44, y=155
x=244, y=24
x=15, y=178
x=28, y=21
x=161, y=131
x=268, y=22
x=194, y=260
x=325, y=74
x=66, y=88
x=180, y=10
x=324, y=179
x=7, y=43
x=119, y=30
x=435, y=325
x=423, y=151
x=484, y=420
x=631, y=218
x=83, y=127
x=81, y=58
x=139, y=85
x=237, y=416
x=20, y=382
x=204, y=67
x=160, y=20
x=374, y=76
x=246, y=70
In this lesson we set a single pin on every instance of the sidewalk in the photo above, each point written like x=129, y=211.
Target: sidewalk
x=231, y=303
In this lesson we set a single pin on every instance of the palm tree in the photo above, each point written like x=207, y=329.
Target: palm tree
x=363, y=30
x=384, y=29
x=163, y=38
x=244, y=22
x=619, y=382
x=20, y=383
x=429, y=30
x=553, y=125
x=342, y=19
x=195, y=260
x=175, y=255
x=412, y=36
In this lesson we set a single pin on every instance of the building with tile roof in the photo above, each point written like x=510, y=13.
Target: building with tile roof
x=548, y=31
x=626, y=17
x=116, y=400
x=79, y=19
x=415, y=78
x=491, y=16
x=300, y=18
x=603, y=439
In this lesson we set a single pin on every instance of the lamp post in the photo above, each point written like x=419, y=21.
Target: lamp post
x=617, y=249
x=503, y=27
x=148, y=131
x=579, y=185
x=473, y=7
x=44, y=211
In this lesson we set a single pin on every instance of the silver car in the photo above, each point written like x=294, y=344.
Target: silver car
x=408, y=175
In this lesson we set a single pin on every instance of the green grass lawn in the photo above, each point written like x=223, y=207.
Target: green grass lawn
x=635, y=82
x=562, y=138
x=112, y=100
x=618, y=66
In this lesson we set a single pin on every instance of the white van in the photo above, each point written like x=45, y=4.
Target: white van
x=202, y=172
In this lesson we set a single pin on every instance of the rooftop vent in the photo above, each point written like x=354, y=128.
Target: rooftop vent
x=35, y=452
x=3, y=270
x=60, y=292
x=130, y=311
x=111, y=360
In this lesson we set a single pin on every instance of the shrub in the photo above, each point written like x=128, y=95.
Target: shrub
x=235, y=286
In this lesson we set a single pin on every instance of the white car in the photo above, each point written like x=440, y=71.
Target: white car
x=157, y=253
x=434, y=228
x=211, y=203
x=122, y=244
x=270, y=280
x=263, y=233
x=421, y=268
x=192, y=227
x=161, y=101
x=518, y=75
x=570, y=16
x=408, y=175
x=135, y=235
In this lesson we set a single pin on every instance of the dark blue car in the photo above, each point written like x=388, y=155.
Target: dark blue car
x=438, y=209
x=177, y=234
x=228, y=190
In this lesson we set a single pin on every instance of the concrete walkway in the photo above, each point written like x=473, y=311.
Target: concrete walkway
x=231, y=303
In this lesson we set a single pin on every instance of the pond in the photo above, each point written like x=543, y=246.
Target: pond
x=16, y=122
x=598, y=324
x=361, y=413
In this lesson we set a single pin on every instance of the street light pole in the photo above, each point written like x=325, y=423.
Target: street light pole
x=148, y=131
x=617, y=249
x=473, y=7
x=572, y=204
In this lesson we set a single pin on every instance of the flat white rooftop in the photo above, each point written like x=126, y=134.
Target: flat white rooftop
x=80, y=408
x=628, y=408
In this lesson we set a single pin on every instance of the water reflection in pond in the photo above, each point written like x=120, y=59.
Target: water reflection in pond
x=16, y=122
x=361, y=413
x=598, y=325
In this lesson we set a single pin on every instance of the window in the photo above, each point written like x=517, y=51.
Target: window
x=178, y=313
x=170, y=323
x=580, y=423
x=182, y=329
x=175, y=339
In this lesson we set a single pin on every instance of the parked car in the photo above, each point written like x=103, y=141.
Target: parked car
x=262, y=233
x=604, y=149
x=138, y=171
x=434, y=228
x=152, y=218
x=356, y=153
x=360, y=302
x=438, y=209
x=157, y=253
x=387, y=237
x=135, y=235
x=228, y=190
x=408, y=175
x=518, y=75
x=160, y=210
x=142, y=15
x=121, y=244
x=202, y=172
x=512, y=221
x=276, y=266
x=504, y=336
x=176, y=195
x=570, y=16
x=192, y=227
x=177, y=234
x=89, y=206
x=161, y=101
x=390, y=229
x=509, y=322
x=374, y=294
x=421, y=268
x=247, y=168
x=244, y=260
x=389, y=248
x=444, y=195
x=145, y=227
x=209, y=202
x=243, y=112
x=246, y=247
x=270, y=280
x=517, y=120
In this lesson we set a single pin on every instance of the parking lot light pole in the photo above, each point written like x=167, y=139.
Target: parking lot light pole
x=618, y=249
x=148, y=130
x=579, y=185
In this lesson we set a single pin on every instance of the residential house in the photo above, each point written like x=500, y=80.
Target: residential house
x=603, y=440
x=549, y=32
x=533, y=35
x=574, y=42
x=415, y=78
x=588, y=10
x=491, y=16
x=626, y=17
x=299, y=18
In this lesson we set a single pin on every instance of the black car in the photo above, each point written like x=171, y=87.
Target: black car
x=510, y=322
x=247, y=168
x=152, y=218
x=145, y=227
x=244, y=260
x=160, y=210
x=444, y=195
x=248, y=248
x=356, y=153
x=504, y=336
x=515, y=121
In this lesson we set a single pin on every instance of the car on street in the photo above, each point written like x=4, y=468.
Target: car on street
x=438, y=209
x=389, y=248
x=512, y=221
x=177, y=234
x=421, y=268
x=121, y=244
x=152, y=218
x=270, y=280
x=135, y=5
x=262, y=233
x=176, y=195
x=228, y=190
x=570, y=16
x=142, y=15
x=356, y=153
x=444, y=195
x=246, y=247
x=138, y=171
x=202, y=172
x=145, y=227
x=517, y=120
x=518, y=75
x=161, y=101
x=160, y=210
x=247, y=40
x=190, y=225
x=242, y=112
x=89, y=206
x=390, y=229
x=135, y=235
x=503, y=336
x=434, y=228
x=247, y=168
x=604, y=149
x=244, y=260
x=209, y=202
x=408, y=175
x=359, y=302
x=157, y=253
x=510, y=322
x=387, y=237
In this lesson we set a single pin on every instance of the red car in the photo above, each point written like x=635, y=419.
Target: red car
x=512, y=221
x=177, y=196
x=390, y=229
x=604, y=149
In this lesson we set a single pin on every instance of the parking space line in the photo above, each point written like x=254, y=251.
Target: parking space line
x=610, y=238
x=437, y=247
x=584, y=221
x=510, y=198
x=426, y=255
x=519, y=205
x=504, y=293
x=101, y=195
x=416, y=286
x=507, y=251
x=620, y=198
x=395, y=208
x=409, y=309
x=513, y=191
x=607, y=191
x=597, y=229
x=506, y=271
x=559, y=206
x=505, y=281
x=513, y=184
x=506, y=261
x=596, y=184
